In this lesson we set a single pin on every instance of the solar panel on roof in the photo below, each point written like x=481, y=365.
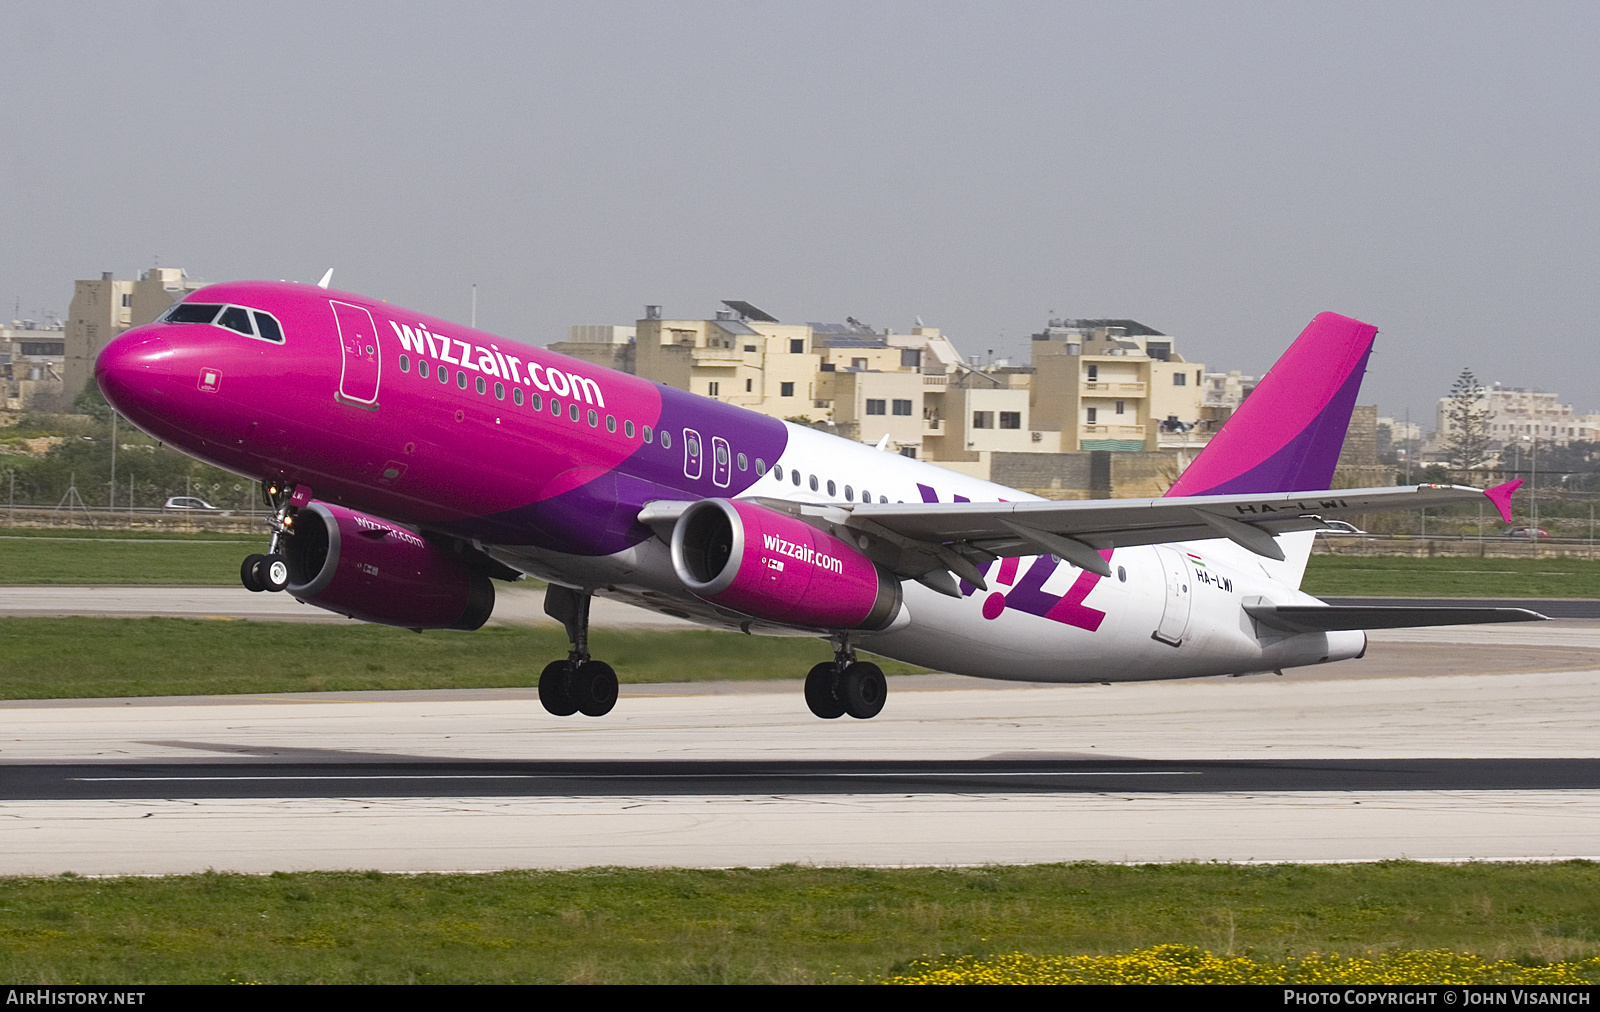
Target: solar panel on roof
x=748, y=311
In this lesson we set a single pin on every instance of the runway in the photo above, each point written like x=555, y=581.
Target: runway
x=124, y=782
x=954, y=772
x=1465, y=743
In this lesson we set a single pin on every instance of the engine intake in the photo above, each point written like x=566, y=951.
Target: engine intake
x=375, y=571
x=771, y=566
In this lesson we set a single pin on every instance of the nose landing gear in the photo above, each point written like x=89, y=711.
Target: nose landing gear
x=846, y=685
x=271, y=571
x=264, y=572
x=579, y=684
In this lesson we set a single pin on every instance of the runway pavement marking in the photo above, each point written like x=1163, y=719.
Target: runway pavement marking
x=633, y=776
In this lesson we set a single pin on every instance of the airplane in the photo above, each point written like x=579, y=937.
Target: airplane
x=410, y=461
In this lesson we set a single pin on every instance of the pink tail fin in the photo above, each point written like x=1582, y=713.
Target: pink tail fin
x=1287, y=434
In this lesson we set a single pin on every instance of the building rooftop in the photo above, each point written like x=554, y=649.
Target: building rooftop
x=1130, y=328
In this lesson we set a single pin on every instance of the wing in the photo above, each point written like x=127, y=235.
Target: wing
x=928, y=541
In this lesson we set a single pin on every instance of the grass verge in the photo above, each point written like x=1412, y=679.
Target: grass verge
x=786, y=924
x=30, y=556
x=54, y=658
x=1391, y=576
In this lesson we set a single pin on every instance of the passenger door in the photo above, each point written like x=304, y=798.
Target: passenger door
x=358, y=342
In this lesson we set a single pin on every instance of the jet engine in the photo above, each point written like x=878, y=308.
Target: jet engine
x=375, y=571
x=771, y=566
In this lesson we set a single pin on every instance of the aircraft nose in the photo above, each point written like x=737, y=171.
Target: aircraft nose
x=130, y=368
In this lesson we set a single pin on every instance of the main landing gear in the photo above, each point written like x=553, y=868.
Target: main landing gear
x=579, y=684
x=271, y=571
x=846, y=685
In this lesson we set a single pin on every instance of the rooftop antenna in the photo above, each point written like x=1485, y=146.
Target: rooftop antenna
x=326, y=278
x=474, y=323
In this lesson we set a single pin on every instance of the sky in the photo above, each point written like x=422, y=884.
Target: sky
x=1219, y=171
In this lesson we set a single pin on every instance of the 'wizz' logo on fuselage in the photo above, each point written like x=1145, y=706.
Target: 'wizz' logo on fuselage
x=1029, y=595
x=491, y=361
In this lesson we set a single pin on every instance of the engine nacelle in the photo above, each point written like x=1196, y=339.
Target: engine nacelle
x=771, y=566
x=375, y=571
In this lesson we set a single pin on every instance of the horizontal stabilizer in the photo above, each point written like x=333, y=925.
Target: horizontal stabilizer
x=1329, y=618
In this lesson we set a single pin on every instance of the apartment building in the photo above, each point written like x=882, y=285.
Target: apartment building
x=912, y=389
x=1517, y=414
x=1093, y=384
x=32, y=356
x=1113, y=385
x=102, y=309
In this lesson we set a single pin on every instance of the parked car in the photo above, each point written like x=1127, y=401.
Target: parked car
x=1340, y=527
x=188, y=502
x=1526, y=533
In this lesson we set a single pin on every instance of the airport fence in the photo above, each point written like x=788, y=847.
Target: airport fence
x=100, y=518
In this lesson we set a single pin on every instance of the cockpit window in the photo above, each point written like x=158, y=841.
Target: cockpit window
x=235, y=318
x=268, y=328
x=192, y=312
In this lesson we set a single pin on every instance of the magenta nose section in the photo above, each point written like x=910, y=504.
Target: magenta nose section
x=132, y=370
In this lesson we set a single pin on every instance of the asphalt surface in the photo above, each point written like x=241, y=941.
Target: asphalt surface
x=764, y=779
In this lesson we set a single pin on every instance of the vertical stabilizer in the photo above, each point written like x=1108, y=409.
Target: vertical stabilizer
x=1287, y=434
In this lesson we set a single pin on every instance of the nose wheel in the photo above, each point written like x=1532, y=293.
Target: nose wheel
x=264, y=572
x=270, y=572
x=846, y=685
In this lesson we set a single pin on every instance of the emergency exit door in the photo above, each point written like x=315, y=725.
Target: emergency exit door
x=1180, y=585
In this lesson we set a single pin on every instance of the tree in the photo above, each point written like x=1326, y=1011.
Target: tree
x=1467, y=416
